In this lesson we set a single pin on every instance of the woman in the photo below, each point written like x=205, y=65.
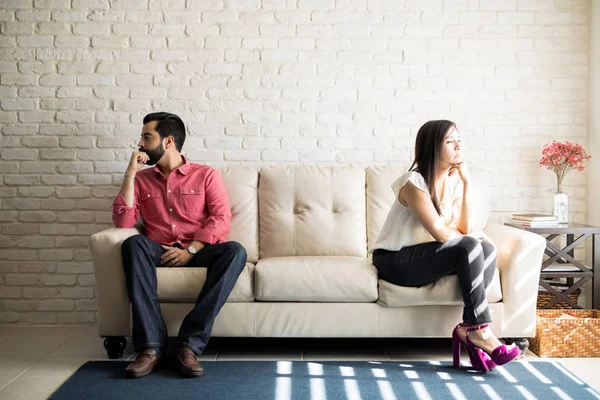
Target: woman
x=427, y=235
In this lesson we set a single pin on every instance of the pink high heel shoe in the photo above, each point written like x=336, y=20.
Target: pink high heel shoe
x=500, y=355
x=480, y=360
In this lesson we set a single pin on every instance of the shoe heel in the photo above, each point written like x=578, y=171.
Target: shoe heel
x=455, y=351
x=456, y=347
x=480, y=360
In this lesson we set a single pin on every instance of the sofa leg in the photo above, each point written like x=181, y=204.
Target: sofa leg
x=115, y=346
x=522, y=344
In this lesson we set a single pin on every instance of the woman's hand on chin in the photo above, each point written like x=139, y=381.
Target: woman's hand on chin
x=462, y=170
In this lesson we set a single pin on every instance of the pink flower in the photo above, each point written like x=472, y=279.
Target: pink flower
x=563, y=157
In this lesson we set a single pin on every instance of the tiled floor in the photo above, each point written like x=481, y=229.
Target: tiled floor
x=35, y=361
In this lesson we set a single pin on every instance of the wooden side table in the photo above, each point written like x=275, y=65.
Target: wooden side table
x=578, y=273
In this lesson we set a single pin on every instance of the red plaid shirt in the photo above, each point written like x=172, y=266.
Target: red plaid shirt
x=190, y=205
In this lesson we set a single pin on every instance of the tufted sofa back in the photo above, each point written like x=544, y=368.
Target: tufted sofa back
x=318, y=211
x=312, y=211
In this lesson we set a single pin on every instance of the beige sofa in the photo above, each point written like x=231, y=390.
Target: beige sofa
x=307, y=230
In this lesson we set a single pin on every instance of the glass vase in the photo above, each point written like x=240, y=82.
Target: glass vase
x=560, y=205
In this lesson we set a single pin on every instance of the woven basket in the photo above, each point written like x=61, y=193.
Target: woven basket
x=558, y=337
x=544, y=298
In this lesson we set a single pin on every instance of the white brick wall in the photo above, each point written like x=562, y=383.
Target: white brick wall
x=261, y=82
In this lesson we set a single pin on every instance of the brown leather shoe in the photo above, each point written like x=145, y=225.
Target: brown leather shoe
x=145, y=363
x=185, y=361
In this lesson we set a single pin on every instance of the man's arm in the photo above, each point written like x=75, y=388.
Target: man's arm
x=218, y=223
x=124, y=216
x=126, y=207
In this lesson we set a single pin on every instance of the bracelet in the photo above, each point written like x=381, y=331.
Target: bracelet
x=129, y=176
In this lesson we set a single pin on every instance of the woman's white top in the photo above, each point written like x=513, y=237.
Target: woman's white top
x=401, y=227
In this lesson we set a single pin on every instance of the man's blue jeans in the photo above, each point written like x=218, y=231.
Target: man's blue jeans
x=141, y=257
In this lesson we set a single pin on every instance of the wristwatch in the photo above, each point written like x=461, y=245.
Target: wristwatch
x=192, y=249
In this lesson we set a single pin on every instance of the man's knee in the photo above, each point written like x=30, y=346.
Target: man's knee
x=132, y=242
x=136, y=251
x=236, y=251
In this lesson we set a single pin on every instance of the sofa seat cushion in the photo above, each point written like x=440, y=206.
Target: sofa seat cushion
x=183, y=285
x=316, y=278
x=443, y=292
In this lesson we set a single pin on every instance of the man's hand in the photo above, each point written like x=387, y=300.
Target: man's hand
x=137, y=161
x=174, y=257
x=462, y=170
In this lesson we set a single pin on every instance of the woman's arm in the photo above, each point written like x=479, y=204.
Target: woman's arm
x=463, y=209
x=421, y=205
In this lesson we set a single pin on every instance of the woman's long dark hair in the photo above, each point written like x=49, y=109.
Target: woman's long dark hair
x=428, y=151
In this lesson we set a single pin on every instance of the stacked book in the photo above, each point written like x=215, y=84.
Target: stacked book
x=534, y=220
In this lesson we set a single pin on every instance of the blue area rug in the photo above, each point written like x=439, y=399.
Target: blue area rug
x=330, y=380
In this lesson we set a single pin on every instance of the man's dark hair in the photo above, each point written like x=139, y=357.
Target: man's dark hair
x=168, y=125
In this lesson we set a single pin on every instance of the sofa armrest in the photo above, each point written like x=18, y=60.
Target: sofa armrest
x=111, y=290
x=519, y=261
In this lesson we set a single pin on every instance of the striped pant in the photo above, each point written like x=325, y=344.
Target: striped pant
x=472, y=260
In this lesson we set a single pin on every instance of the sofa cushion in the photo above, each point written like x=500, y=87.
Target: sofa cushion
x=380, y=197
x=443, y=292
x=312, y=211
x=183, y=285
x=242, y=189
x=323, y=279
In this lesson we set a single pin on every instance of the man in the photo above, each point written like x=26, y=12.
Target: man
x=186, y=216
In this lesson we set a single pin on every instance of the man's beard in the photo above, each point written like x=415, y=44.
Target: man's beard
x=154, y=155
